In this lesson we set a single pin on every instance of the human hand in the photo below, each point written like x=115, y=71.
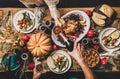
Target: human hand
x=36, y=74
x=77, y=52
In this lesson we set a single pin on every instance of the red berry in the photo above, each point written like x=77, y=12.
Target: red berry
x=31, y=65
x=25, y=37
x=105, y=40
x=90, y=33
x=88, y=12
x=113, y=41
x=96, y=47
x=55, y=47
x=104, y=61
x=20, y=22
x=21, y=26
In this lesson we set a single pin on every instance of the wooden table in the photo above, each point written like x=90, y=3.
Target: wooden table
x=62, y=12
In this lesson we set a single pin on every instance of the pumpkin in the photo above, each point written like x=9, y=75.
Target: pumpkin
x=39, y=44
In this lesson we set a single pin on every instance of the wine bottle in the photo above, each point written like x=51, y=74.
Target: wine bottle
x=69, y=44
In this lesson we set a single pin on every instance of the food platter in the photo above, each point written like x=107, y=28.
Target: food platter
x=85, y=25
x=24, y=21
x=91, y=58
x=59, y=62
x=105, y=33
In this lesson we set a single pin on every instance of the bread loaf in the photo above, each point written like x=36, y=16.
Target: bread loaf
x=99, y=16
x=104, y=12
x=107, y=10
x=98, y=21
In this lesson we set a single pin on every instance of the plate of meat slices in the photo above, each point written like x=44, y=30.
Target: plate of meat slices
x=110, y=39
x=24, y=21
x=75, y=25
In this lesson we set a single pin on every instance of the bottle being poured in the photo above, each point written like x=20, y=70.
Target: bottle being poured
x=53, y=10
x=69, y=44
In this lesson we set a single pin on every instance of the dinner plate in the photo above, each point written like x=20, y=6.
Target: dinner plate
x=106, y=32
x=68, y=63
x=86, y=28
x=18, y=16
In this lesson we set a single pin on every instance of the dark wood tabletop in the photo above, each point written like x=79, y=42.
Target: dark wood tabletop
x=65, y=3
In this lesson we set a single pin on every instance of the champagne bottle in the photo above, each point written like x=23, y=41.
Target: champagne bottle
x=69, y=44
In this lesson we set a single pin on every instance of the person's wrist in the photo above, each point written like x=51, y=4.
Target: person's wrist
x=35, y=78
x=80, y=61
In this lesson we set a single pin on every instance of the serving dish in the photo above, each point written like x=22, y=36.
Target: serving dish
x=91, y=58
x=74, y=31
x=24, y=21
x=59, y=62
x=107, y=32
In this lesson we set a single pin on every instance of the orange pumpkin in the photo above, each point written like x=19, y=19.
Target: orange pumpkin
x=39, y=44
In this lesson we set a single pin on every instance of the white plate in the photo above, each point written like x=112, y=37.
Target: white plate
x=16, y=18
x=104, y=33
x=86, y=28
x=61, y=52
